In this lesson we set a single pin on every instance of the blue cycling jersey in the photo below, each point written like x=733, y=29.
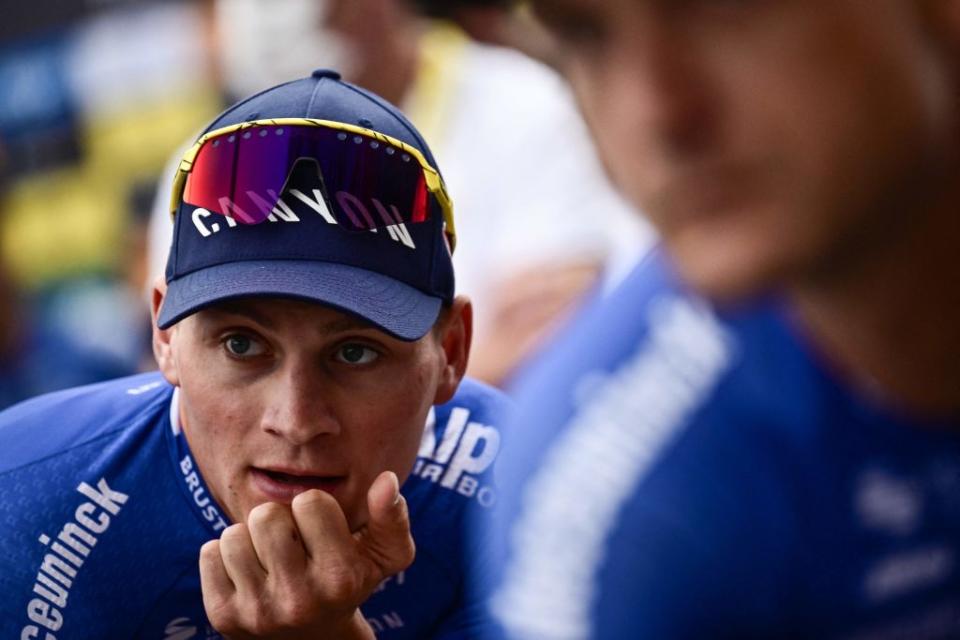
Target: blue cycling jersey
x=104, y=512
x=681, y=472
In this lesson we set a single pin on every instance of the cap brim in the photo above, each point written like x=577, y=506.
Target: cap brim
x=399, y=309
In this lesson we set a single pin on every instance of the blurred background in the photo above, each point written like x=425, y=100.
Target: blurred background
x=99, y=97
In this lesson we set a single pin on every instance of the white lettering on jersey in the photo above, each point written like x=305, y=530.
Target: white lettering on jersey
x=451, y=436
x=611, y=441
x=179, y=629
x=396, y=579
x=135, y=391
x=207, y=507
x=908, y=571
x=385, y=622
x=477, y=450
x=465, y=451
x=887, y=503
x=60, y=567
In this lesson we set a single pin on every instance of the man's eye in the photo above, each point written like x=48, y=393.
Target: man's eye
x=356, y=354
x=242, y=346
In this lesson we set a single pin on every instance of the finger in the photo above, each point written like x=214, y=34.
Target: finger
x=322, y=524
x=276, y=540
x=386, y=539
x=215, y=585
x=240, y=559
x=335, y=569
x=213, y=575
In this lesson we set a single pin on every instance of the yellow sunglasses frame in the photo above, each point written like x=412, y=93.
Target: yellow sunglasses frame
x=432, y=177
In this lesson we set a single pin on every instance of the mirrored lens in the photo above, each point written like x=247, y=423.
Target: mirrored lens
x=366, y=183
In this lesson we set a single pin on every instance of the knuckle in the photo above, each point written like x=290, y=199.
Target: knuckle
x=209, y=551
x=312, y=500
x=233, y=534
x=341, y=583
x=296, y=611
x=261, y=616
x=265, y=513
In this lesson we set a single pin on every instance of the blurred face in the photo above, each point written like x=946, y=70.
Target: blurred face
x=768, y=140
x=279, y=396
x=364, y=28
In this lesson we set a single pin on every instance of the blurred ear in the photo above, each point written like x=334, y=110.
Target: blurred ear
x=453, y=332
x=162, y=338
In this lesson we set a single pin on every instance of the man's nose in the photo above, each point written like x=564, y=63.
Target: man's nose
x=299, y=408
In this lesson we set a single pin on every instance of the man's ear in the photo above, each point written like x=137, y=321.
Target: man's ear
x=454, y=333
x=162, y=338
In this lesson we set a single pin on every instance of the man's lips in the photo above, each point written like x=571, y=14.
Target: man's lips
x=283, y=485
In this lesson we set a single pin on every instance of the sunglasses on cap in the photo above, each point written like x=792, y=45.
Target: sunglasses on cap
x=369, y=180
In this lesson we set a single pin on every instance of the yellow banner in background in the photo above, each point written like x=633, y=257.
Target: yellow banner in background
x=72, y=221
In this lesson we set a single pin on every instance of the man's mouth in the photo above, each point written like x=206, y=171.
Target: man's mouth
x=282, y=486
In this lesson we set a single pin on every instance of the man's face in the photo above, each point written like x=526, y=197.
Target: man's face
x=768, y=140
x=279, y=396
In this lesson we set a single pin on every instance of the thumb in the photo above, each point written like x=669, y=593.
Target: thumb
x=386, y=538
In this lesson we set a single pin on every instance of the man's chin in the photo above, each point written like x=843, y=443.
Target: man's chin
x=725, y=276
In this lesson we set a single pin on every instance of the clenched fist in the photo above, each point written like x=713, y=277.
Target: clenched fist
x=299, y=572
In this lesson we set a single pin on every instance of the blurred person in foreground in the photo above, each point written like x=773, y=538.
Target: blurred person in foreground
x=503, y=23
x=540, y=223
x=758, y=434
x=311, y=353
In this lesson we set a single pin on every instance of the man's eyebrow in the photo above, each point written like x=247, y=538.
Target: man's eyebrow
x=347, y=322
x=233, y=308
x=342, y=323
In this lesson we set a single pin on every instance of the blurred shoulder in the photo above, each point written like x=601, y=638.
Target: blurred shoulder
x=615, y=328
x=50, y=424
x=485, y=403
